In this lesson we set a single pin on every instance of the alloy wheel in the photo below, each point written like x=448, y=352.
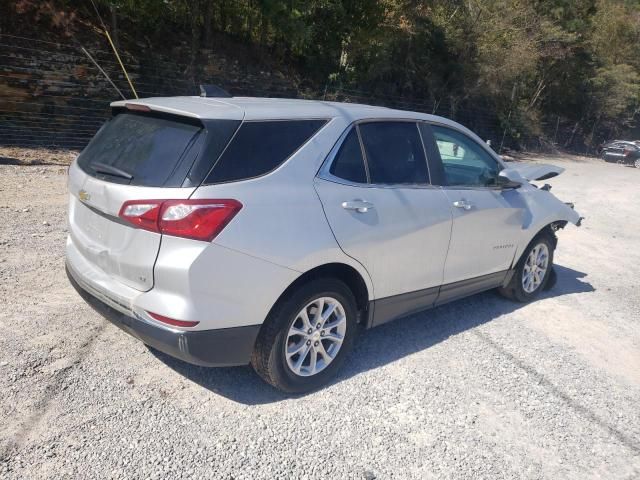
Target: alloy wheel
x=535, y=268
x=315, y=336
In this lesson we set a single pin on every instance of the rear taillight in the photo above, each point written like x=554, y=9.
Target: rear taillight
x=196, y=219
x=142, y=213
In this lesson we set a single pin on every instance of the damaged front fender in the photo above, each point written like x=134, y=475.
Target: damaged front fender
x=542, y=210
x=542, y=207
x=546, y=209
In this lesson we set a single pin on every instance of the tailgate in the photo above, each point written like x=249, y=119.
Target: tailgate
x=137, y=155
x=118, y=249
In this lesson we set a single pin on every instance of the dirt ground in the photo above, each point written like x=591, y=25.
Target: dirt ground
x=480, y=388
x=36, y=156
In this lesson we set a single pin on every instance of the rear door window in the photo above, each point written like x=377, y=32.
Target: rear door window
x=141, y=150
x=260, y=147
x=394, y=153
x=349, y=162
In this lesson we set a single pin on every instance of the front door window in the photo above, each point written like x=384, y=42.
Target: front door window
x=466, y=164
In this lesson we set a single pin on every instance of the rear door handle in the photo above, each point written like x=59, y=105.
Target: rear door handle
x=463, y=204
x=360, y=206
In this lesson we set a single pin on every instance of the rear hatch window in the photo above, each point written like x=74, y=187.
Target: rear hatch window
x=151, y=150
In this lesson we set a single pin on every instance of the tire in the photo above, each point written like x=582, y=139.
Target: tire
x=525, y=290
x=552, y=280
x=270, y=359
x=636, y=162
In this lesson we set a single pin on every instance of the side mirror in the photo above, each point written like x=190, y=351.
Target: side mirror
x=509, y=178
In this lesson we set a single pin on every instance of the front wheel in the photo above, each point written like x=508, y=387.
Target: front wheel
x=533, y=271
x=306, y=336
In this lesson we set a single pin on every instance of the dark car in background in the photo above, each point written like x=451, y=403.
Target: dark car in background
x=622, y=151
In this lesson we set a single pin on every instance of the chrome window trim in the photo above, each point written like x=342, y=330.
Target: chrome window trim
x=467, y=187
x=363, y=152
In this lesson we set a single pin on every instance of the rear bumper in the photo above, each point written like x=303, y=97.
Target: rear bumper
x=209, y=348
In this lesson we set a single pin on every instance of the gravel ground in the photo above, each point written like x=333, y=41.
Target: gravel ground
x=36, y=156
x=481, y=388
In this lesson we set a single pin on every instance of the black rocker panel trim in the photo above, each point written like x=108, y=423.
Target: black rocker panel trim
x=390, y=308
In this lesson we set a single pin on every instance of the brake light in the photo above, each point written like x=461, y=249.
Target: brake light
x=172, y=321
x=137, y=107
x=142, y=213
x=196, y=219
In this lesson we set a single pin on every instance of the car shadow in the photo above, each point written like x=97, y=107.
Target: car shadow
x=381, y=345
x=30, y=163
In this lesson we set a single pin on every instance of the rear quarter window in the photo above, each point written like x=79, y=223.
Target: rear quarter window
x=260, y=147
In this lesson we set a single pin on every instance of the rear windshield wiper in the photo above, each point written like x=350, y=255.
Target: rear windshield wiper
x=110, y=170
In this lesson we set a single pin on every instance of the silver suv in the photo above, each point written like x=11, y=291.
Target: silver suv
x=228, y=231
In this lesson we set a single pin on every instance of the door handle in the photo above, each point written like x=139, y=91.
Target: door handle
x=360, y=206
x=463, y=204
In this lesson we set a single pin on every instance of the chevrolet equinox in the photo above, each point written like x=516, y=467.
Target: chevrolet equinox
x=234, y=231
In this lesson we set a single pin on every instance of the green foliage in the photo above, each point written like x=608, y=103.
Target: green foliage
x=616, y=92
x=532, y=63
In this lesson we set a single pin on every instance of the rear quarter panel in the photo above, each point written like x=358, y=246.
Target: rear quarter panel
x=220, y=288
x=282, y=220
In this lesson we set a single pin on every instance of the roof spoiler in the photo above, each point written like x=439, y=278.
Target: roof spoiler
x=213, y=91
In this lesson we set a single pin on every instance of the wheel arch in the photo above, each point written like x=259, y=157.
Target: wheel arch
x=549, y=229
x=341, y=271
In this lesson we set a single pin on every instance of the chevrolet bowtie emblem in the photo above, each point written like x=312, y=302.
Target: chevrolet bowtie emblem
x=83, y=195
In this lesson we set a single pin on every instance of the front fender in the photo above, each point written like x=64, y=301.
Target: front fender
x=554, y=210
x=541, y=209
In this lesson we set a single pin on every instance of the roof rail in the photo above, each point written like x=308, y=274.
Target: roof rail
x=213, y=91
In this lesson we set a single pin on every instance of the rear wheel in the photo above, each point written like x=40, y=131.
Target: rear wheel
x=636, y=163
x=533, y=271
x=306, y=336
